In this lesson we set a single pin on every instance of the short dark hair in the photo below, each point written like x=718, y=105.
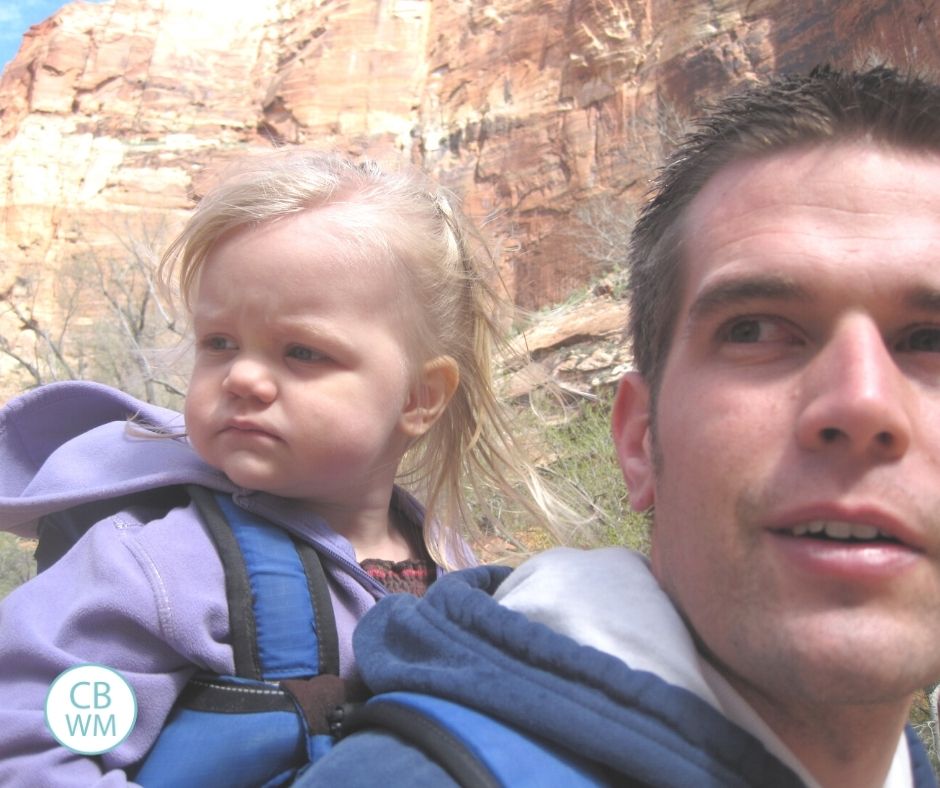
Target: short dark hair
x=879, y=104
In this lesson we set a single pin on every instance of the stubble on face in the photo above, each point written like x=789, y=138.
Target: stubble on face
x=780, y=643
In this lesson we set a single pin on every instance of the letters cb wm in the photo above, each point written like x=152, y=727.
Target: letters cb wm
x=90, y=709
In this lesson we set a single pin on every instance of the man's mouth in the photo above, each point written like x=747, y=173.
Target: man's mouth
x=866, y=546
x=841, y=531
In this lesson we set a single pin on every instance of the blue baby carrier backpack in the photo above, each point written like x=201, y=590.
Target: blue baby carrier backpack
x=476, y=750
x=280, y=710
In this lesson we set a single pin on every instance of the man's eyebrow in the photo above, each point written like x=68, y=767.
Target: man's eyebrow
x=731, y=291
x=924, y=299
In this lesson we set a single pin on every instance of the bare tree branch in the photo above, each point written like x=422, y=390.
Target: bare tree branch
x=106, y=321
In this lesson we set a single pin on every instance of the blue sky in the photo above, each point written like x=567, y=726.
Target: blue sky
x=16, y=17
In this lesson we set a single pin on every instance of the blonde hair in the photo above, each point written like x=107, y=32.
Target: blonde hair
x=470, y=452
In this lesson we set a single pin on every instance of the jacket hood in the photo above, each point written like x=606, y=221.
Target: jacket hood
x=458, y=643
x=67, y=444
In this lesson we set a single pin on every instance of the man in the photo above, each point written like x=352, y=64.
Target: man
x=783, y=426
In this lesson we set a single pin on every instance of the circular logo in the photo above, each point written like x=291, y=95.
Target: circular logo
x=90, y=709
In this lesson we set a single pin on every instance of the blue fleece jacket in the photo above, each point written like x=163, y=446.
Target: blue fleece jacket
x=637, y=703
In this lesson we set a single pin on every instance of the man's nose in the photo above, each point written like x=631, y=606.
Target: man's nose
x=250, y=378
x=856, y=399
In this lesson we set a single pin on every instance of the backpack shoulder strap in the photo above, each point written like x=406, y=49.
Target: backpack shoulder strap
x=477, y=750
x=269, y=720
x=280, y=611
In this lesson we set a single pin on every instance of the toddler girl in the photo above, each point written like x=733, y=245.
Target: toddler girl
x=342, y=326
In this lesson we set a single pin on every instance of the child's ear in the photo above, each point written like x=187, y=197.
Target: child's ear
x=430, y=395
x=630, y=426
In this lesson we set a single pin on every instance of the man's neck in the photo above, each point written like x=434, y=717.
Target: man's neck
x=838, y=744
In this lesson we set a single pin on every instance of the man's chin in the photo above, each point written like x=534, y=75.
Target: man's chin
x=867, y=661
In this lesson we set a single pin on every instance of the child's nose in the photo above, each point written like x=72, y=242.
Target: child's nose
x=250, y=378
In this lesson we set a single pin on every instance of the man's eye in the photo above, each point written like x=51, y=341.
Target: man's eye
x=744, y=331
x=747, y=330
x=301, y=353
x=922, y=340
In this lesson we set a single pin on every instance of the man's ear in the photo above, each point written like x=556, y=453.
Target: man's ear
x=630, y=427
x=436, y=384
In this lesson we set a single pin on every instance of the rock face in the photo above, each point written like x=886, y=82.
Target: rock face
x=536, y=111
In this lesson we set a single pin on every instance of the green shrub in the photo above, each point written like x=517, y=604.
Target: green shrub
x=579, y=457
x=16, y=562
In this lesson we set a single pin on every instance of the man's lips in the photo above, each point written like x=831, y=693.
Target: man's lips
x=839, y=529
x=850, y=524
x=863, y=545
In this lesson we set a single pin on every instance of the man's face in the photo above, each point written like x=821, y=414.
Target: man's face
x=797, y=501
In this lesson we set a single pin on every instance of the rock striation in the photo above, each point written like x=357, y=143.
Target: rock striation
x=542, y=114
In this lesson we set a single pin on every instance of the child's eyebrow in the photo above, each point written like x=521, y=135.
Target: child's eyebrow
x=730, y=291
x=312, y=330
x=306, y=324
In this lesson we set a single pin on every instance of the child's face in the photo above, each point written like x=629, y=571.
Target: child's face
x=301, y=377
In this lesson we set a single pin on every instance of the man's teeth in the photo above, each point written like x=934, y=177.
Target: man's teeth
x=837, y=529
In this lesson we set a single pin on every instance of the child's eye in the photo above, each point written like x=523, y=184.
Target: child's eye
x=922, y=339
x=301, y=353
x=218, y=343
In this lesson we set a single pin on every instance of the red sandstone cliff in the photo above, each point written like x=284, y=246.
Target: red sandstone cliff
x=111, y=113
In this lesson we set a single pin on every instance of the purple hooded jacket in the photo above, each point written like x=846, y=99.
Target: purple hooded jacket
x=143, y=591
